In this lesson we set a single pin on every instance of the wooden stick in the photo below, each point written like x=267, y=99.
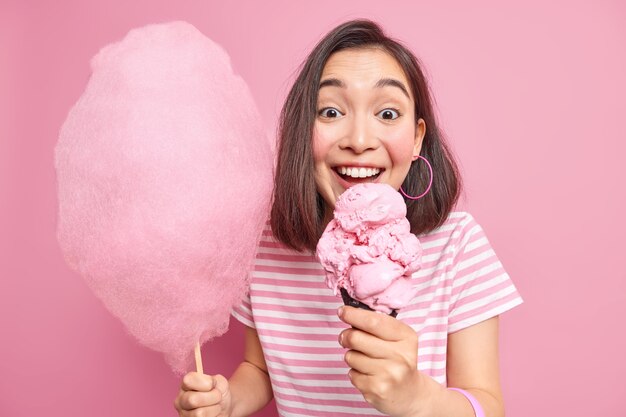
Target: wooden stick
x=198, y=359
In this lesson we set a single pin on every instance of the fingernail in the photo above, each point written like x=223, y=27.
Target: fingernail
x=340, y=311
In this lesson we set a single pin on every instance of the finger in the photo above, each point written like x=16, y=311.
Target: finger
x=212, y=411
x=190, y=400
x=380, y=325
x=366, y=343
x=359, y=380
x=364, y=364
x=221, y=384
x=194, y=381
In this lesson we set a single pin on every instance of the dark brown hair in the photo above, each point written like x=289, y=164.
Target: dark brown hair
x=298, y=209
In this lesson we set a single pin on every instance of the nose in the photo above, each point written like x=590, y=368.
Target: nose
x=359, y=136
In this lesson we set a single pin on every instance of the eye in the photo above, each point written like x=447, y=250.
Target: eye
x=389, y=114
x=330, y=113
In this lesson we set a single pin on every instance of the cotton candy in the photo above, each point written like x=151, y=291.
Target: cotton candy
x=164, y=176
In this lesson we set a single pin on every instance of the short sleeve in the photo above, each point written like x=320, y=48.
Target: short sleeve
x=243, y=312
x=481, y=288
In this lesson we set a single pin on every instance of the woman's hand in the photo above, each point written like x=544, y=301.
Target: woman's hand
x=383, y=357
x=203, y=396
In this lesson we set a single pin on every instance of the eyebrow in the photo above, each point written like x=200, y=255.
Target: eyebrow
x=332, y=82
x=383, y=82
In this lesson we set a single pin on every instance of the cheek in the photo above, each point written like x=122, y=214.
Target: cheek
x=321, y=145
x=400, y=143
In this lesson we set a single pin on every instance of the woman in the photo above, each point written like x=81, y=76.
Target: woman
x=360, y=111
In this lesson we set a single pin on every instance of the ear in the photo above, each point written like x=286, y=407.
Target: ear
x=420, y=132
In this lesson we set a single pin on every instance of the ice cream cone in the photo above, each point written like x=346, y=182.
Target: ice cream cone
x=349, y=301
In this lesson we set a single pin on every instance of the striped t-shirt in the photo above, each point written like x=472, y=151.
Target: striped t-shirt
x=461, y=283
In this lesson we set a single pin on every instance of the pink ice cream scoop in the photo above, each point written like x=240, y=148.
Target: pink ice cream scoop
x=368, y=250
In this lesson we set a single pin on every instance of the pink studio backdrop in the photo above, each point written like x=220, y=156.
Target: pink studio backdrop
x=531, y=96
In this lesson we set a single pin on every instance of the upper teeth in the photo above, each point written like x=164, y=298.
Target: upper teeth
x=356, y=172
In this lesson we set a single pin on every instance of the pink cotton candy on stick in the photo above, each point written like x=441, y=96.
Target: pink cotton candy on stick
x=164, y=181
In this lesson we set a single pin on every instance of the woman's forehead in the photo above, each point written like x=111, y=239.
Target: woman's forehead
x=370, y=64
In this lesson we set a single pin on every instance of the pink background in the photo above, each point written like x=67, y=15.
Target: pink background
x=531, y=96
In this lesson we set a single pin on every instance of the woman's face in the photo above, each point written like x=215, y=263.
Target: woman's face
x=365, y=128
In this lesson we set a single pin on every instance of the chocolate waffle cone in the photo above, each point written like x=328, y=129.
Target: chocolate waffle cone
x=349, y=301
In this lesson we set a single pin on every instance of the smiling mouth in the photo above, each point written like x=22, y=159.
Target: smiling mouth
x=358, y=174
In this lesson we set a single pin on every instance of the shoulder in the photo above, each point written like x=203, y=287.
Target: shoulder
x=458, y=238
x=456, y=228
x=268, y=244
